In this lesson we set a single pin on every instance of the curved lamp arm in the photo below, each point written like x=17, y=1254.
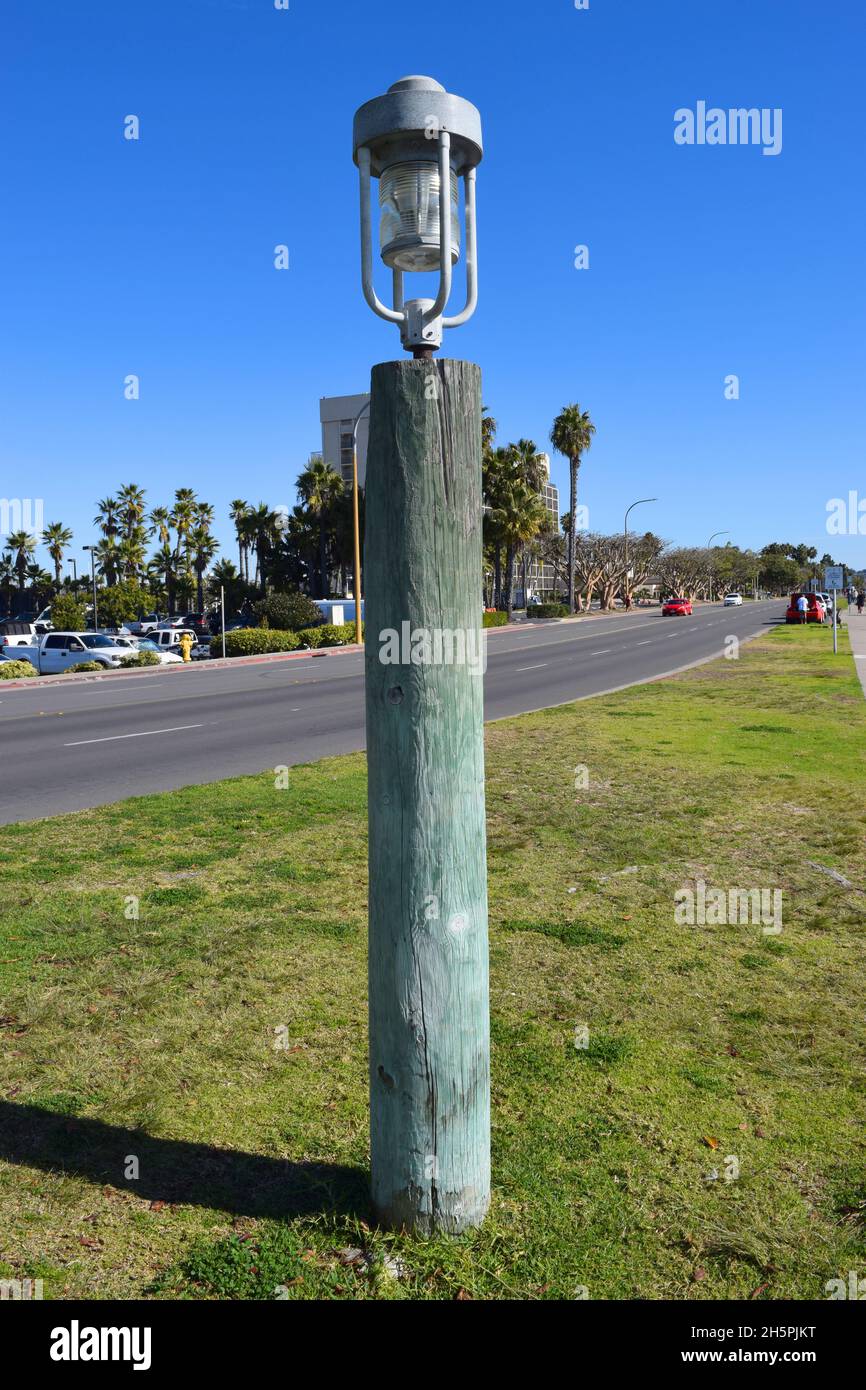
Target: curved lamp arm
x=444, y=229
x=471, y=256
x=392, y=315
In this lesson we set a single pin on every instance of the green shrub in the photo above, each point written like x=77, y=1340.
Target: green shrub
x=347, y=632
x=255, y=641
x=310, y=636
x=494, y=619
x=548, y=610
x=14, y=670
x=287, y=612
x=86, y=666
x=144, y=658
x=68, y=614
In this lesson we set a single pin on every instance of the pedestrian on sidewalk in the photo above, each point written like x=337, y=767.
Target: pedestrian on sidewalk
x=861, y=599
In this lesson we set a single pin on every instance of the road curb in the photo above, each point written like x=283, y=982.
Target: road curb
x=219, y=664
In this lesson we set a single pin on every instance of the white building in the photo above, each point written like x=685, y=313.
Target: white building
x=338, y=415
x=540, y=578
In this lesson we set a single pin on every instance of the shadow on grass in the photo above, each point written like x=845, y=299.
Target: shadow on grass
x=173, y=1170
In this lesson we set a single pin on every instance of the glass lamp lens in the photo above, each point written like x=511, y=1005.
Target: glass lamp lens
x=409, y=223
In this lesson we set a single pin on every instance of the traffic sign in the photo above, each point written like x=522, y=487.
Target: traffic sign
x=834, y=577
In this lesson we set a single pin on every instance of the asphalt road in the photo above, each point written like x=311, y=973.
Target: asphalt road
x=66, y=747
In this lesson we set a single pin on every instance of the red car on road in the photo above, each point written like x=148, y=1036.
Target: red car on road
x=677, y=608
x=815, y=613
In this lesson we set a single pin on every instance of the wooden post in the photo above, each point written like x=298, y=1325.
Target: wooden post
x=429, y=1022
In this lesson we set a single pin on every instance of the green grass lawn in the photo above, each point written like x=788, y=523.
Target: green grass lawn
x=219, y=1038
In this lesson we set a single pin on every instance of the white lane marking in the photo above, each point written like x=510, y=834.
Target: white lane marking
x=145, y=733
x=604, y=652
x=530, y=668
x=647, y=643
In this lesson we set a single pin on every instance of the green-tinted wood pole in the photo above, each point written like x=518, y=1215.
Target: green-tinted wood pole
x=429, y=1024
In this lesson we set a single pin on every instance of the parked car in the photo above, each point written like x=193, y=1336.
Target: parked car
x=142, y=625
x=677, y=608
x=827, y=601
x=15, y=634
x=196, y=623
x=55, y=652
x=143, y=644
x=168, y=638
x=815, y=611
x=732, y=600
x=43, y=621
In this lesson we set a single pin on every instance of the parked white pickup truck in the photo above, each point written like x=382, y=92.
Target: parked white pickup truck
x=57, y=651
x=168, y=638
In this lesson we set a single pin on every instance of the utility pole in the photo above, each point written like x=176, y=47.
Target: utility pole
x=428, y=963
x=638, y=503
x=359, y=635
x=709, y=544
x=92, y=549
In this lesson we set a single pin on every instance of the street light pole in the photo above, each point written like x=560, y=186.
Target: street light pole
x=428, y=958
x=709, y=543
x=359, y=636
x=92, y=549
x=639, y=503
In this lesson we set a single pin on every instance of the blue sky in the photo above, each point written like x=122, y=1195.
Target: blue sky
x=155, y=256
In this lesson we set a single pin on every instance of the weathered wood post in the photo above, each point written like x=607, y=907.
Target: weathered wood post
x=429, y=1029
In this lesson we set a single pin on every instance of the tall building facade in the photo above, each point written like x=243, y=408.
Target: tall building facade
x=338, y=415
x=540, y=578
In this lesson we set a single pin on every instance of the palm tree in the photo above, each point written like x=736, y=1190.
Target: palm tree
x=530, y=468
x=318, y=488
x=22, y=544
x=56, y=537
x=518, y=518
x=225, y=576
x=182, y=519
x=108, y=559
x=268, y=530
x=107, y=516
x=40, y=582
x=160, y=522
x=572, y=435
x=160, y=573
x=7, y=579
x=203, y=547
x=238, y=510
x=488, y=432
x=247, y=530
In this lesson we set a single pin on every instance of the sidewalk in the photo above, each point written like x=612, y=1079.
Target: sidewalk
x=857, y=637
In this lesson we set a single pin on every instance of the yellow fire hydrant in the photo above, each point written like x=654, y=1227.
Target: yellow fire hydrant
x=185, y=645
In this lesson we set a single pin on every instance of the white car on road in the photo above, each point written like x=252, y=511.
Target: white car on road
x=732, y=600
x=144, y=644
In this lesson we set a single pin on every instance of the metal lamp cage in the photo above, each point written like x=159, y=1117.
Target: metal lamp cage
x=418, y=140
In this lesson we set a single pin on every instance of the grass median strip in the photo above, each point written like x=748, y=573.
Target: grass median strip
x=678, y=1110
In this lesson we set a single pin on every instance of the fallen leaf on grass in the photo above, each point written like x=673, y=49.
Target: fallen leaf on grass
x=710, y=1141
